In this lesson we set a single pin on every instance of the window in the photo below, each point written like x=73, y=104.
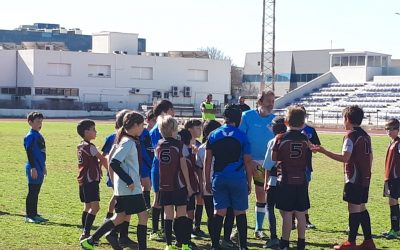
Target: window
x=74, y=92
x=344, y=61
x=360, y=60
x=198, y=75
x=24, y=91
x=377, y=61
x=370, y=61
x=58, y=69
x=8, y=91
x=353, y=61
x=57, y=91
x=335, y=61
x=95, y=70
x=384, y=61
x=142, y=73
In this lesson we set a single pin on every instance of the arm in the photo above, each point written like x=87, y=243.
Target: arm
x=266, y=177
x=116, y=167
x=199, y=173
x=249, y=170
x=103, y=160
x=185, y=173
x=29, y=142
x=207, y=169
x=344, y=157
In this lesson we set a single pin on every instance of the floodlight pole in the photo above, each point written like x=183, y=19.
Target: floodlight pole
x=268, y=47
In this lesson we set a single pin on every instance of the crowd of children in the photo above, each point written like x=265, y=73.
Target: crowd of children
x=217, y=173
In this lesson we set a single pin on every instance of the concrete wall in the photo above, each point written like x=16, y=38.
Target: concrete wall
x=107, y=42
x=350, y=74
x=8, y=65
x=56, y=113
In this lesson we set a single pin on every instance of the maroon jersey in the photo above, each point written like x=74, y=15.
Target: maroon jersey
x=169, y=153
x=291, y=149
x=191, y=165
x=358, y=169
x=392, y=163
x=88, y=165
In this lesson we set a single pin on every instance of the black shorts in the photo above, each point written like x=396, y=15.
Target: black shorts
x=355, y=194
x=292, y=197
x=391, y=188
x=130, y=204
x=259, y=176
x=191, y=205
x=176, y=198
x=89, y=192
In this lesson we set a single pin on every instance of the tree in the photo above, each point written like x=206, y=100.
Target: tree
x=214, y=53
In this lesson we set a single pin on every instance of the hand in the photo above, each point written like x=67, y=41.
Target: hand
x=208, y=187
x=190, y=191
x=34, y=174
x=266, y=187
x=45, y=171
x=131, y=187
x=249, y=188
x=318, y=148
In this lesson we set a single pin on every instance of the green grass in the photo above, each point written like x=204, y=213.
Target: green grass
x=59, y=199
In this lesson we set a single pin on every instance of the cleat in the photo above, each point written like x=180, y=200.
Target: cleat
x=310, y=226
x=86, y=245
x=260, y=235
x=391, y=234
x=234, y=235
x=367, y=245
x=228, y=245
x=272, y=243
x=346, y=246
x=40, y=218
x=31, y=220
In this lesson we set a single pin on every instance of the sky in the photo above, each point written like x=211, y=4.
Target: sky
x=232, y=26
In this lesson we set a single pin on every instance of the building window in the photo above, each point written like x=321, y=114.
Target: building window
x=24, y=91
x=360, y=60
x=142, y=73
x=198, y=75
x=344, y=61
x=384, y=61
x=58, y=69
x=56, y=92
x=353, y=60
x=370, y=61
x=335, y=61
x=95, y=70
x=8, y=91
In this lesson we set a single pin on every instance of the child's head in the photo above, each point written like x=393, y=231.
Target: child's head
x=186, y=136
x=209, y=126
x=232, y=115
x=295, y=117
x=392, y=128
x=35, y=120
x=168, y=126
x=119, y=117
x=278, y=125
x=151, y=119
x=164, y=107
x=353, y=115
x=194, y=127
x=132, y=123
x=87, y=129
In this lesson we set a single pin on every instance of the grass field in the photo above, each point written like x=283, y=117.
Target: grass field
x=59, y=199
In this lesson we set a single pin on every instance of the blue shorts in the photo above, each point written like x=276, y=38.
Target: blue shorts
x=144, y=171
x=230, y=192
x=38, y=180
x=109, y=181
x=155, y=178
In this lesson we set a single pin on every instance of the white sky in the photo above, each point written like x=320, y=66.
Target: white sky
x=232, y=26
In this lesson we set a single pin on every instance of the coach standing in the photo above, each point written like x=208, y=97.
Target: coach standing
x=208, y=109
x=256, y=124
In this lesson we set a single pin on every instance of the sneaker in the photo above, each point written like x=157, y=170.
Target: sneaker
x=391, y=234
x=346, y=245
x=272, y=243
x=83, y=236
x=234, y=235
x=86, y=245
x=170, y=247
x=367, y=245
x=260, y=235
x=156, y=236
x=198, y=233
x=126, y=242
x=31, y=220
x=228, y=245
x=186, y=247
x=113, y=240
x=309, y=225
x=40, y=218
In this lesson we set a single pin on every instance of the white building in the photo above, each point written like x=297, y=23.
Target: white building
x=112, y=76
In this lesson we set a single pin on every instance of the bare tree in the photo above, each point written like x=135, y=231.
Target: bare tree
x=215, y=53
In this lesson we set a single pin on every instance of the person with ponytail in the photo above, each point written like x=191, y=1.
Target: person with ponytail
x=124, y=161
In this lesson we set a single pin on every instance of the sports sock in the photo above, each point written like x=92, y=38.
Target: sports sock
x=217, y=221
x=301, y=244
x=198, y=213
x=168, y=231
x=354, y=222
x=177, y=228
x=241, y=223
x=366, y=224
x=146, y=196
x=141, y=236
x=394, y=217
x=103, y=229
x=83, y=218
x=162, y=217
x=155, y=218
x=260, y=214
x=123, y=229
x=283, y=243
x=272, y=220
x=188, y=228
x=228, y=223
x=89, y=223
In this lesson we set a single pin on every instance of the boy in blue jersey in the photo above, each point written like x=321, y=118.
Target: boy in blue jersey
x=35, y=167
x=231, y=181
x=256, y=124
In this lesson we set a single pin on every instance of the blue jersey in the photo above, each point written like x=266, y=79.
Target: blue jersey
x=258, y=131
x=110, y=140
x=35, y=148
x=147, y=148
x=228, y=145
x=314, y=139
